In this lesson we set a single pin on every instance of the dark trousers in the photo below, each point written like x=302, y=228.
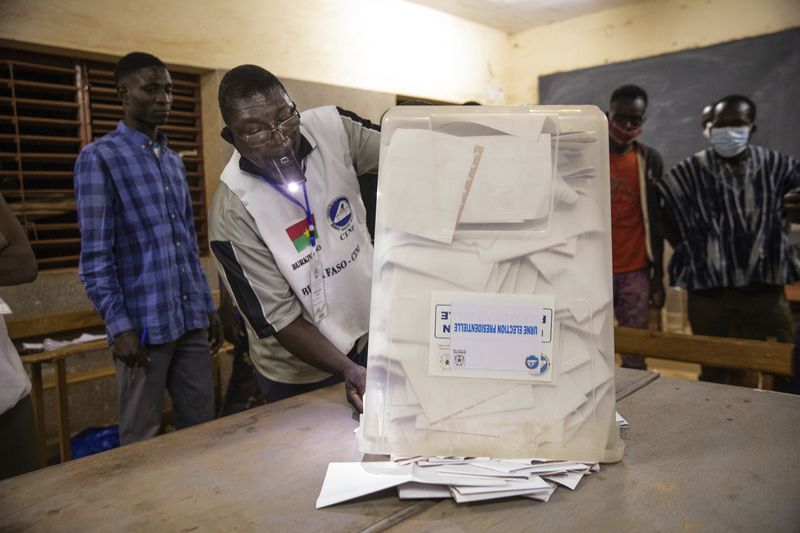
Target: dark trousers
x=183, y=368
x=632, y=307
x=274, y=391
x=793, y=383
x=18, y=440
x=756, y=313
x=243, y=385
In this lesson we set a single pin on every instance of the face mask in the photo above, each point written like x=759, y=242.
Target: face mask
x=729, y=142
x=622, y=135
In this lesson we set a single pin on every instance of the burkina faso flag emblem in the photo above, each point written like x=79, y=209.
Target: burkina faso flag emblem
x=299, y=234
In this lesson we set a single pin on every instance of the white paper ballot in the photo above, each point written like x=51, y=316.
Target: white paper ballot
x=4, y=308
x=510, y=282
x=557, y=467
x=569, y=480
x=458, y=477
x=439, y=396
x=498, y=276
x=574, y=352
x=502, y=466
x=426, y=175
x=582, y=137
x=568, y=221
x=526, y=278
x=567, y=248
x=527, y=127
x=440, y=476
x=417, y=491
x=472, y=470
x=562, y=192
x=541, y=495
x=52, y=344
x=347, y=481
x=513, y=181
x=459, y=497
x=460, y=267
x=578, y=173
x=534, y=483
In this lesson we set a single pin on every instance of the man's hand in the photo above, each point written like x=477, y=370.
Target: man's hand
x=791, y=204
x=355, y=383
x=127, y=348
x=303, y=340
x=231, y=327
x=215, y=334
x=657, y=291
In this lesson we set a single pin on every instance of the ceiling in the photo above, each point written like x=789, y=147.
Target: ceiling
x=512, y=16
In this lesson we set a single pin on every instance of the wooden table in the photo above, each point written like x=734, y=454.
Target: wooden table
x=699, y=455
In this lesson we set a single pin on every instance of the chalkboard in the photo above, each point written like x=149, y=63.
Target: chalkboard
x=680, y=84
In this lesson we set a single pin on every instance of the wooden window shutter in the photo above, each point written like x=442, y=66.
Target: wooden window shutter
x=50, y=107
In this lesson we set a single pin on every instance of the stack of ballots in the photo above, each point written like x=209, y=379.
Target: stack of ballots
x=491, y=328
x=465, y=479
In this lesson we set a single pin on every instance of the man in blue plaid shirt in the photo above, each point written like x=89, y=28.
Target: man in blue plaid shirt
x=140, y=261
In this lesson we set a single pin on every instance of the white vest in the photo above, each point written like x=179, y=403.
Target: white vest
x=343, y=242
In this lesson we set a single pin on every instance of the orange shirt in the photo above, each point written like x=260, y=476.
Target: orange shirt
x=628, y=248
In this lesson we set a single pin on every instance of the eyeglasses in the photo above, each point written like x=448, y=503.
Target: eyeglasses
x=283, y=129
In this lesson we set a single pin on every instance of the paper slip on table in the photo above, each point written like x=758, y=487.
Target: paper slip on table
x=261, y=470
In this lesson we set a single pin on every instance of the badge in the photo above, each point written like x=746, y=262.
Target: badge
x=319, y=304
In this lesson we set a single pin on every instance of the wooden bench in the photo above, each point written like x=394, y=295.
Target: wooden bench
x=769, y=357
x=762, y=356
x=66, y=324
x=36, y=327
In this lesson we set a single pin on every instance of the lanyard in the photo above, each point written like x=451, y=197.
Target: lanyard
x=306, y=208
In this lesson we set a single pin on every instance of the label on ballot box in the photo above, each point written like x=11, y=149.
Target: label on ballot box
x=498, y=336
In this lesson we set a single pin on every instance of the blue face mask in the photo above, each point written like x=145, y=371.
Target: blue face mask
x=729, y=142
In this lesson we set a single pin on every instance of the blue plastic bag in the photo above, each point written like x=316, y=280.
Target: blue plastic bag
x=94, y=440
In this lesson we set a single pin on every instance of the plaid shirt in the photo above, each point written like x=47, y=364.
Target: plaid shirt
x=732, y=229
x=139, y=257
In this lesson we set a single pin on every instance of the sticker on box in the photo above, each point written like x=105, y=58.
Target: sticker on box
x=498, y=336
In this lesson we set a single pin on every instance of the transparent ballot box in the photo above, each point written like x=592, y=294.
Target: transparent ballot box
x=491, y=327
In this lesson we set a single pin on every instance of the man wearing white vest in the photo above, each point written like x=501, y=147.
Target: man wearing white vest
x=288, y=230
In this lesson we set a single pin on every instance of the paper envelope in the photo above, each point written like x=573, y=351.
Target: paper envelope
x=425, y=178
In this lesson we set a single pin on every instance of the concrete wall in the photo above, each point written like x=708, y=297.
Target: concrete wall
x=388, y=46
x=635, y=31
x=378, y=45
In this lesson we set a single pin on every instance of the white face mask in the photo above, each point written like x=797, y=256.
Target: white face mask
x=729, y=142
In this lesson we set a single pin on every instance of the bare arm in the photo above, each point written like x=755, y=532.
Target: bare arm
x=264, y=297
x=308, y=344
x=17, y=262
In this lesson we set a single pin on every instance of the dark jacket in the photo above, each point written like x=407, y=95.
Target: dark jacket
x=650, y=171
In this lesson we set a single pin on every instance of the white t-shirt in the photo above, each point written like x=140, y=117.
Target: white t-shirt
x=14, y=382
